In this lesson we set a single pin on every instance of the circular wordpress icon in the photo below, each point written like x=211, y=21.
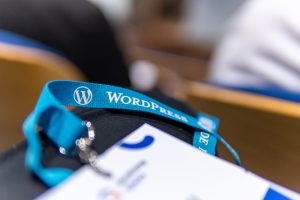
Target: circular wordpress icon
x=82, y=95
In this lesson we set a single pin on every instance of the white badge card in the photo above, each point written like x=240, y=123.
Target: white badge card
x=150, y=164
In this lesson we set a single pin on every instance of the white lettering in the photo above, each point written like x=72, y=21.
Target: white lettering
x=145, y=104
x=177, y=116
x=154, y=106
x=169, y=112
x=205, y=135
x=135, y=101
x=162, y=110
x=126, y=97
x=204, y=138
x=184, y=119
x=114, y=96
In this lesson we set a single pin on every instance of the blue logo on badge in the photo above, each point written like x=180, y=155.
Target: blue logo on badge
x=147, y=141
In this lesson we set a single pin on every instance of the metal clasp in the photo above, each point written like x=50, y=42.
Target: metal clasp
x=85, y=152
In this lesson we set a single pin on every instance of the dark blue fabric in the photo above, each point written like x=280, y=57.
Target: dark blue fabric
x=273, y=92
x=15, y=39
x=268, y=90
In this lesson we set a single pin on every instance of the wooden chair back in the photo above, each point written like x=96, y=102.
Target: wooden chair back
x=264, y=131
x=23, y=73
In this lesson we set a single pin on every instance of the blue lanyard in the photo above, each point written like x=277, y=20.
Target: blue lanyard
x=63, y=127
x=205, y=141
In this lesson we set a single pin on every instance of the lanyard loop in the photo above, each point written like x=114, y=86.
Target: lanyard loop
x=64, y=128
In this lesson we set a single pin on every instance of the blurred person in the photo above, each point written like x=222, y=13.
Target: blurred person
x=203, y=20
x=75, y=28
x=118, y=13
x=261, y=47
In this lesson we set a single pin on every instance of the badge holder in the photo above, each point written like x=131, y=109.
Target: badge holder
x=83, y=149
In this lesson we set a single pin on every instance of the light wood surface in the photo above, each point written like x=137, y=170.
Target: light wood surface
x=23, y=73
x=264, y=131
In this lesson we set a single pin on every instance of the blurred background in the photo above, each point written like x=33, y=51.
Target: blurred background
x=234, y=59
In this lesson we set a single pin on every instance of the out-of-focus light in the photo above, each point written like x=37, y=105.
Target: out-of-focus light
x=143, y=75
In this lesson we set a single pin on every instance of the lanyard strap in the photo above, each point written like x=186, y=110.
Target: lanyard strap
x=205, y=141
x=63, y=127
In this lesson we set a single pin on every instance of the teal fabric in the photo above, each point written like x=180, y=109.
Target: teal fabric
x=15, y=39
x=203, y=140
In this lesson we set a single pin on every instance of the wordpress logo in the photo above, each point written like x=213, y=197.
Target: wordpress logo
x=207, y=123
x=82, y=95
